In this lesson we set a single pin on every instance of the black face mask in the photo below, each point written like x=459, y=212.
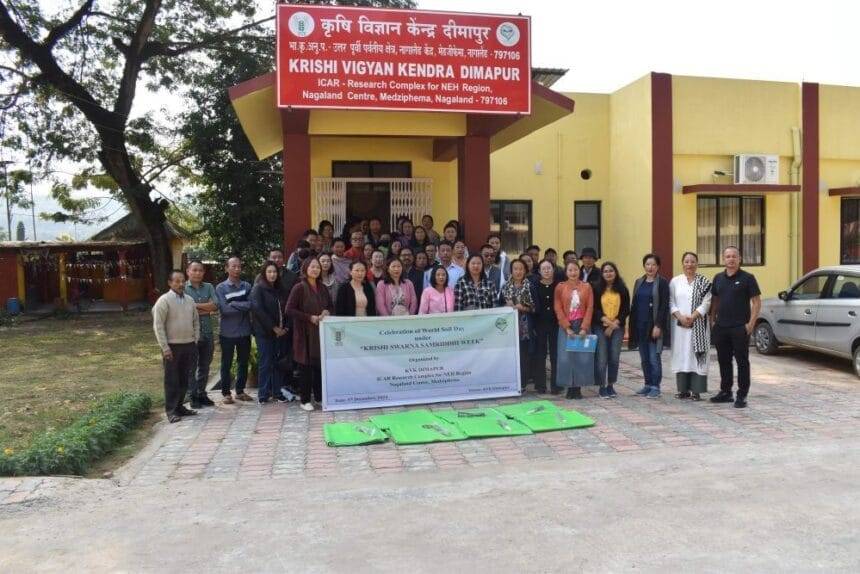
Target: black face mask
x=384, y=243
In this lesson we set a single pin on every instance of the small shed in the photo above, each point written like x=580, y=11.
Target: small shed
x=112, y=268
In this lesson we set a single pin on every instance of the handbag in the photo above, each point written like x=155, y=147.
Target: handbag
x=587, y=344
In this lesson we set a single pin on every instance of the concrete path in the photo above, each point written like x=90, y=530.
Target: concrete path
x=656, y=486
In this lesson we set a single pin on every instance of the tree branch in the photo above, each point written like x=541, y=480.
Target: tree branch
x=133, y=59
x=57, y=33
x=52, y=73
x=154, y=49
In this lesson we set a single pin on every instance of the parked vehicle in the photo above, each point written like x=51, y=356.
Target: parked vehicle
x=819, y=312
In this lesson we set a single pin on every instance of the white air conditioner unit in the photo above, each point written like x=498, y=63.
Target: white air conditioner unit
x=756, y=168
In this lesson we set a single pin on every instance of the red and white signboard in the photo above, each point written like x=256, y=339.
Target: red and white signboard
x=375, y=59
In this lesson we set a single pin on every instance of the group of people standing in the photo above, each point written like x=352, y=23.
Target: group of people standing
x=415, y=270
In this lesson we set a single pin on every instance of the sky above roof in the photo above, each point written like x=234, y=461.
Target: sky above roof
x=607, y=44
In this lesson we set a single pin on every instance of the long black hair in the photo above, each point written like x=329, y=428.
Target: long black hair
x=617, y=285
x=262, y=276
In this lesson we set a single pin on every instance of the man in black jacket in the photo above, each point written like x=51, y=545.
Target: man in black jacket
x=407, y=258
x=589, y=272
x=284, y=366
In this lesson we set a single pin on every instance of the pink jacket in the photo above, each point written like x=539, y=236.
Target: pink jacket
x=434, y=302
x=384, y=293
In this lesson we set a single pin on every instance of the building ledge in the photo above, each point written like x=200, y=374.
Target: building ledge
x=838, y=191
x=735, y=188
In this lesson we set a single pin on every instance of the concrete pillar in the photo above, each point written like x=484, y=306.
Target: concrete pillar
x=473, y=189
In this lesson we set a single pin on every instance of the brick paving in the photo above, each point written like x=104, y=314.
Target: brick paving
x=791, y=398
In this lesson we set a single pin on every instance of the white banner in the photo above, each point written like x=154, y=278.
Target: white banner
x=386, y=361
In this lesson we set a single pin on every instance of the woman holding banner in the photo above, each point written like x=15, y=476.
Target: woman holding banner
x=574, y=307
x=308, y=304
x=395, y=295
x=437, y=297
x=356, y=298
x=473, y=290
x=517, y=293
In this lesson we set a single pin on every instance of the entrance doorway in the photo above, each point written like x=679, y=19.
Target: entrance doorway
x=366, y=199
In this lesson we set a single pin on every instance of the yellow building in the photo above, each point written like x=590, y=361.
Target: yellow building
x=649, y=167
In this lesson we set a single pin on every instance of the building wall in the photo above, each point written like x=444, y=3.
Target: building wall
x=839, y=149
x=8, y=276
x=419, y=151
x=627, y=221
x=559, y=152
x=714, y=119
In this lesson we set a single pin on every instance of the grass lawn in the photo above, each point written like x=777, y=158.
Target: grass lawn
x=54, y=369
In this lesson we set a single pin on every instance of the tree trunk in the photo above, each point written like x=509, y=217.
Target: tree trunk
x=114, y=157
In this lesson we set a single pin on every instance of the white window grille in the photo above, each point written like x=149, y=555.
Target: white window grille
x=412, y=197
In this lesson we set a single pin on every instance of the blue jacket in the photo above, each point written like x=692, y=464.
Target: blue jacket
x=234, y=303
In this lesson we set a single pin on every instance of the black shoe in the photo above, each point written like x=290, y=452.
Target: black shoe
x=196, y=404
x=173, y=418
x=574, y=393
x=183, y=412
x=540, y=390
x=553, y=390
x=263, y=401
x=684, y=395
x=722, y=397
x=740, y=403
x=696, y=397
x=206, y=401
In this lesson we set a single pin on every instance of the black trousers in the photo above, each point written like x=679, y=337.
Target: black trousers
x=545, y=344
x=310, y=381
x=733, y=342
x=177, y=375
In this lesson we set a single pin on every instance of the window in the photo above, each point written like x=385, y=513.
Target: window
x=849, y=245
x=845, y=287
x=724, y=221
x=385, y=169
x=812, y=288
x=513, y=221
x=586, y=225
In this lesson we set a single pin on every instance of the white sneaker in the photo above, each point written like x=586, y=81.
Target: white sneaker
x=307, y=406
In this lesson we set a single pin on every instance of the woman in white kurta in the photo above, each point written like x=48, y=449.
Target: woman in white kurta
x=689, y=302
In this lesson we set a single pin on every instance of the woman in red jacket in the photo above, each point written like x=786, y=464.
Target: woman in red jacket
x=308, y=305
x=574, y=307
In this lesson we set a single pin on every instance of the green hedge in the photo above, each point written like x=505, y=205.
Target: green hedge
x=72, y=449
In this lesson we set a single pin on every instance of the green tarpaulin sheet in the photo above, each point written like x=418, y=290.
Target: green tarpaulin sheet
x=415, y=417
x=540, y=416
x=436, y=431
x=478, y=423
x=352, y=434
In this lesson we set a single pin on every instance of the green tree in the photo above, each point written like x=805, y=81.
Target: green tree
x=70, y=77
x=20, y=232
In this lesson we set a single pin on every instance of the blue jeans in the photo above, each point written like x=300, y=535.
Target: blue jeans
x=242, y=347
x=200, y=370
x=268, y=383
x=573, y=369
x=608, y=355
x=652, y=366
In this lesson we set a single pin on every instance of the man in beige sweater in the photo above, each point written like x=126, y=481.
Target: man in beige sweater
x=177, y=330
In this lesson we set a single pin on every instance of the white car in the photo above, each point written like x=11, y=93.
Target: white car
x=819, y=312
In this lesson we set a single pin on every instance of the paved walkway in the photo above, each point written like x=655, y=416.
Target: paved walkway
x=794, y=395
